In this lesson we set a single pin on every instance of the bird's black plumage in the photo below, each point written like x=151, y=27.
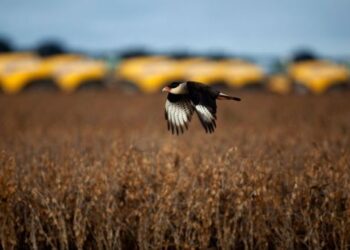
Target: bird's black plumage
x=196, y=97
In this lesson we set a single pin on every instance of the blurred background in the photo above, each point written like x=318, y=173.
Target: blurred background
x=140, y=46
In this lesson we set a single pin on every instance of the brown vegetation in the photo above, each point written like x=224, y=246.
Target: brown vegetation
x=100, y=171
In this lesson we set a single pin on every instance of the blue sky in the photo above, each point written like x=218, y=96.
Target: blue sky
x=270, y=26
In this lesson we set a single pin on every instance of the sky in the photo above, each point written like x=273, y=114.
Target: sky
x=264, y=27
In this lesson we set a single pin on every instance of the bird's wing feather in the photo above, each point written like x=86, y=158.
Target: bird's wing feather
x=178, y=114
x=203, y=98
x=206, y=117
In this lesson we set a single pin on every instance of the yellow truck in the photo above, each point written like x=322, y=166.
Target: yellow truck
x=18, y=70
x=66, y=71
x=78, y=74
x=234, y=73
x=205, y=71
x=50, y=64
x=73, y=71
x=130, y=68
x=8, y=57
x=240, y=73
x=151, y=73
x=148, y=73
x=318, y=76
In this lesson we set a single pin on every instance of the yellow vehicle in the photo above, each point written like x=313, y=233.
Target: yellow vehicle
x=19, y=70
x=235, y=73
x=76, y=74
x=71, y=71
x=155, y=75
x=67, y=71
x=240, y=73
x=130, y=68
x=149, y=74
x=318, y=76
x=50, y=64
x=6, y=58
x=205, y=71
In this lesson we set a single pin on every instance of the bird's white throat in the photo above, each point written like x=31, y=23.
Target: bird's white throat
x=180, y=89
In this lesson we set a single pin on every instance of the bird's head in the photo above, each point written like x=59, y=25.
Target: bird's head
x=176, y=88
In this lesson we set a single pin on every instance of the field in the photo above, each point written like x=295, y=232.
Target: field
x=99, y=170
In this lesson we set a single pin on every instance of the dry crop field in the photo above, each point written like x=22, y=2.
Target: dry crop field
x=99, y=170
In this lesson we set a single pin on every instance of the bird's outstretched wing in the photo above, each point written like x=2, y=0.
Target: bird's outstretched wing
x=204, y=100
x=207, y=117
x=178, y=113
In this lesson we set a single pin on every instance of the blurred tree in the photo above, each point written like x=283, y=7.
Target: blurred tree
x=134, y=52
x=303, y=55
x=218, y=55
x=50, y=48
x=5, y=45
x=180, y=54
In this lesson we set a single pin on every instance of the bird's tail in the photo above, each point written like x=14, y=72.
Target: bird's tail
x=223, y=96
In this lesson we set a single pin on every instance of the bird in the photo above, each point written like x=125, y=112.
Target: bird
x=185, y=98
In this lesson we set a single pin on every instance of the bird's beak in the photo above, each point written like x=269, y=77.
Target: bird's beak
x=166, y=89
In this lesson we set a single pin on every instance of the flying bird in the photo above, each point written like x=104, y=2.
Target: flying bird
x=184, y=98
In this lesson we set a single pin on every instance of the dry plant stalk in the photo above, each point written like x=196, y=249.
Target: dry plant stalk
x=100, y=171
